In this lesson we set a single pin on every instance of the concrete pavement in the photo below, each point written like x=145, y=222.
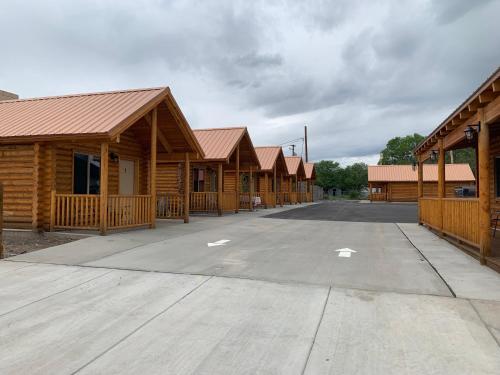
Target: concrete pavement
x=275, y=299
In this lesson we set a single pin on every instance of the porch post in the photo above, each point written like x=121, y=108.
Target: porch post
x=103, y=190
x=282, y=198
x=420, y=188
x=274, y=187
x=187, y=187
x=484, y=188
x=53, y=157
x=219, y=189
x=266, y=187
x=237, y=209
x=441, y=178
x=152, y=175
x=250, y=190
x=290, y=189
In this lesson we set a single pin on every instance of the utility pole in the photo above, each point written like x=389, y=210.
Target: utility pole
x=292, y=147
x=305, y=142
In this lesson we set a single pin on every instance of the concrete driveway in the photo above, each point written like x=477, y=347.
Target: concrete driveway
x=248, y=294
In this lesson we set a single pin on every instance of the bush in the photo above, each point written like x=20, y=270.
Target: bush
x=354, y=194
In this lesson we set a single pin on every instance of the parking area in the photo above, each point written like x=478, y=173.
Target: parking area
x=252, y=294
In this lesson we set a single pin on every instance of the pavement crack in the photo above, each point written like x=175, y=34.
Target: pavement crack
x=145, y=323
x=427, y=260
x=56, y=293
x=316, y=332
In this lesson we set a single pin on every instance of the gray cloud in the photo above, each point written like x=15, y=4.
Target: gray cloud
x=357, y=73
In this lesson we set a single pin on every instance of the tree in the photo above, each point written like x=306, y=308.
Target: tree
x=463, y=156
x=399, y=150
x=355, y=177
x=328, y=174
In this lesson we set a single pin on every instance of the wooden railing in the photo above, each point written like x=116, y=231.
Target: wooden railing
x=244, y=201
x=75, y=211
x=285, y=197
x=126, y=211
x=293, y=197
x=203, y=201
x=169, y=206
x=455, y=217
x=378, y=197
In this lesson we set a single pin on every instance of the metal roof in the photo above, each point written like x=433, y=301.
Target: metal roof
x=81, y=114
x=406, y=173
x=295, y=165
x=310, y=170
x=267, y=156
x=219, y=144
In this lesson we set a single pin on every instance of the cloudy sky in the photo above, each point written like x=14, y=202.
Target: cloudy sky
x=356, y=72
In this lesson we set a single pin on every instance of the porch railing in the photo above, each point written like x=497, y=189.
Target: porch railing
x=169, y=206
x=455, y=217
x=126, y=211
x=293, y=197
x=203, y=201
x=229, y=200
x=378, y=197
x=75, y=211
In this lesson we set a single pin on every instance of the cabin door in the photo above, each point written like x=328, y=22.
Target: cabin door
x=126, y=177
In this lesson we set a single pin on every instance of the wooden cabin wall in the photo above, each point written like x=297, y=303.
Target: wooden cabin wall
x=46, y=182
x=229, y=181
x=407, y=191
x=16, y=174
x=169, y=178
x=494, y=153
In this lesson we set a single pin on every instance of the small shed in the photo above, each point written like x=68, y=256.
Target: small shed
x=399, y=183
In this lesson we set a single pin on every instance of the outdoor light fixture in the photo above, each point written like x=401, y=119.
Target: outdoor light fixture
x=469, y=131
x=114, y=157
x=414, y=165
x=434, y=155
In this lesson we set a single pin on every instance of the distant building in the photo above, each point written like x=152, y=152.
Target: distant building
x=398, y=183
x=5, y=95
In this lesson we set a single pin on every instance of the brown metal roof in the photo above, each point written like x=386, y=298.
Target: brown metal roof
x=310, y=170
x=406, y=173
x=82, y=114
x=220, y=143
x=267, y=156
x=295, y=166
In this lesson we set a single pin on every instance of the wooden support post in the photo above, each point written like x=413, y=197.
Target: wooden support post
x=250, y=189
x=52, y=210
x=441, y=178
x=219, y=189
x=53, y=161
x=154, y=140
x=290, y=189
x=484, y=186
x=36, y=186
x=282, y=198
x=266, y=189
x=187, y=187
x=274, y=187
x=420, y=188
x=237, y=185
x=103, y=190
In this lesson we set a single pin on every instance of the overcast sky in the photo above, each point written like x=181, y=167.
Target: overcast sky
x=356, y=72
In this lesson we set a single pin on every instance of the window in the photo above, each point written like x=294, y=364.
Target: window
x=198, y=180
x=86, y=173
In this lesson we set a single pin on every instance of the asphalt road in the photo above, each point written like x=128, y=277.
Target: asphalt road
x=354, y=212
x=276, y=297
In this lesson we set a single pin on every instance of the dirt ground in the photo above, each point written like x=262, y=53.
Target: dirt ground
x=20, y=242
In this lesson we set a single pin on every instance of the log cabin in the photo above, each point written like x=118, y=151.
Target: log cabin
x=296, y=174
x=398, y=183
x=310, y=170
x=224, y=180
x=467, y=221
x=88, y=161
x=270, y=175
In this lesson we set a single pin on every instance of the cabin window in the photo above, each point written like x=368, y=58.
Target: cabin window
x=86, y=173
x=198, y=180
x=497, y=176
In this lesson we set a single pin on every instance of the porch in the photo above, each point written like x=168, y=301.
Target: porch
x=467, y=220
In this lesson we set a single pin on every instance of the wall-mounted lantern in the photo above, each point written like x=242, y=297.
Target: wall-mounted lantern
x=470, y=131
x=414, y=165
x=434, y=155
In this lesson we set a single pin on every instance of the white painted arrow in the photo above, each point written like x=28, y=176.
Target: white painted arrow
x=218, y=243
x=345, y=252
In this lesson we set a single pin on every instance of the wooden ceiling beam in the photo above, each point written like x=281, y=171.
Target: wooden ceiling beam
x=487, y=97
x=496, y=86
x=464, y=115
x=161, y=137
